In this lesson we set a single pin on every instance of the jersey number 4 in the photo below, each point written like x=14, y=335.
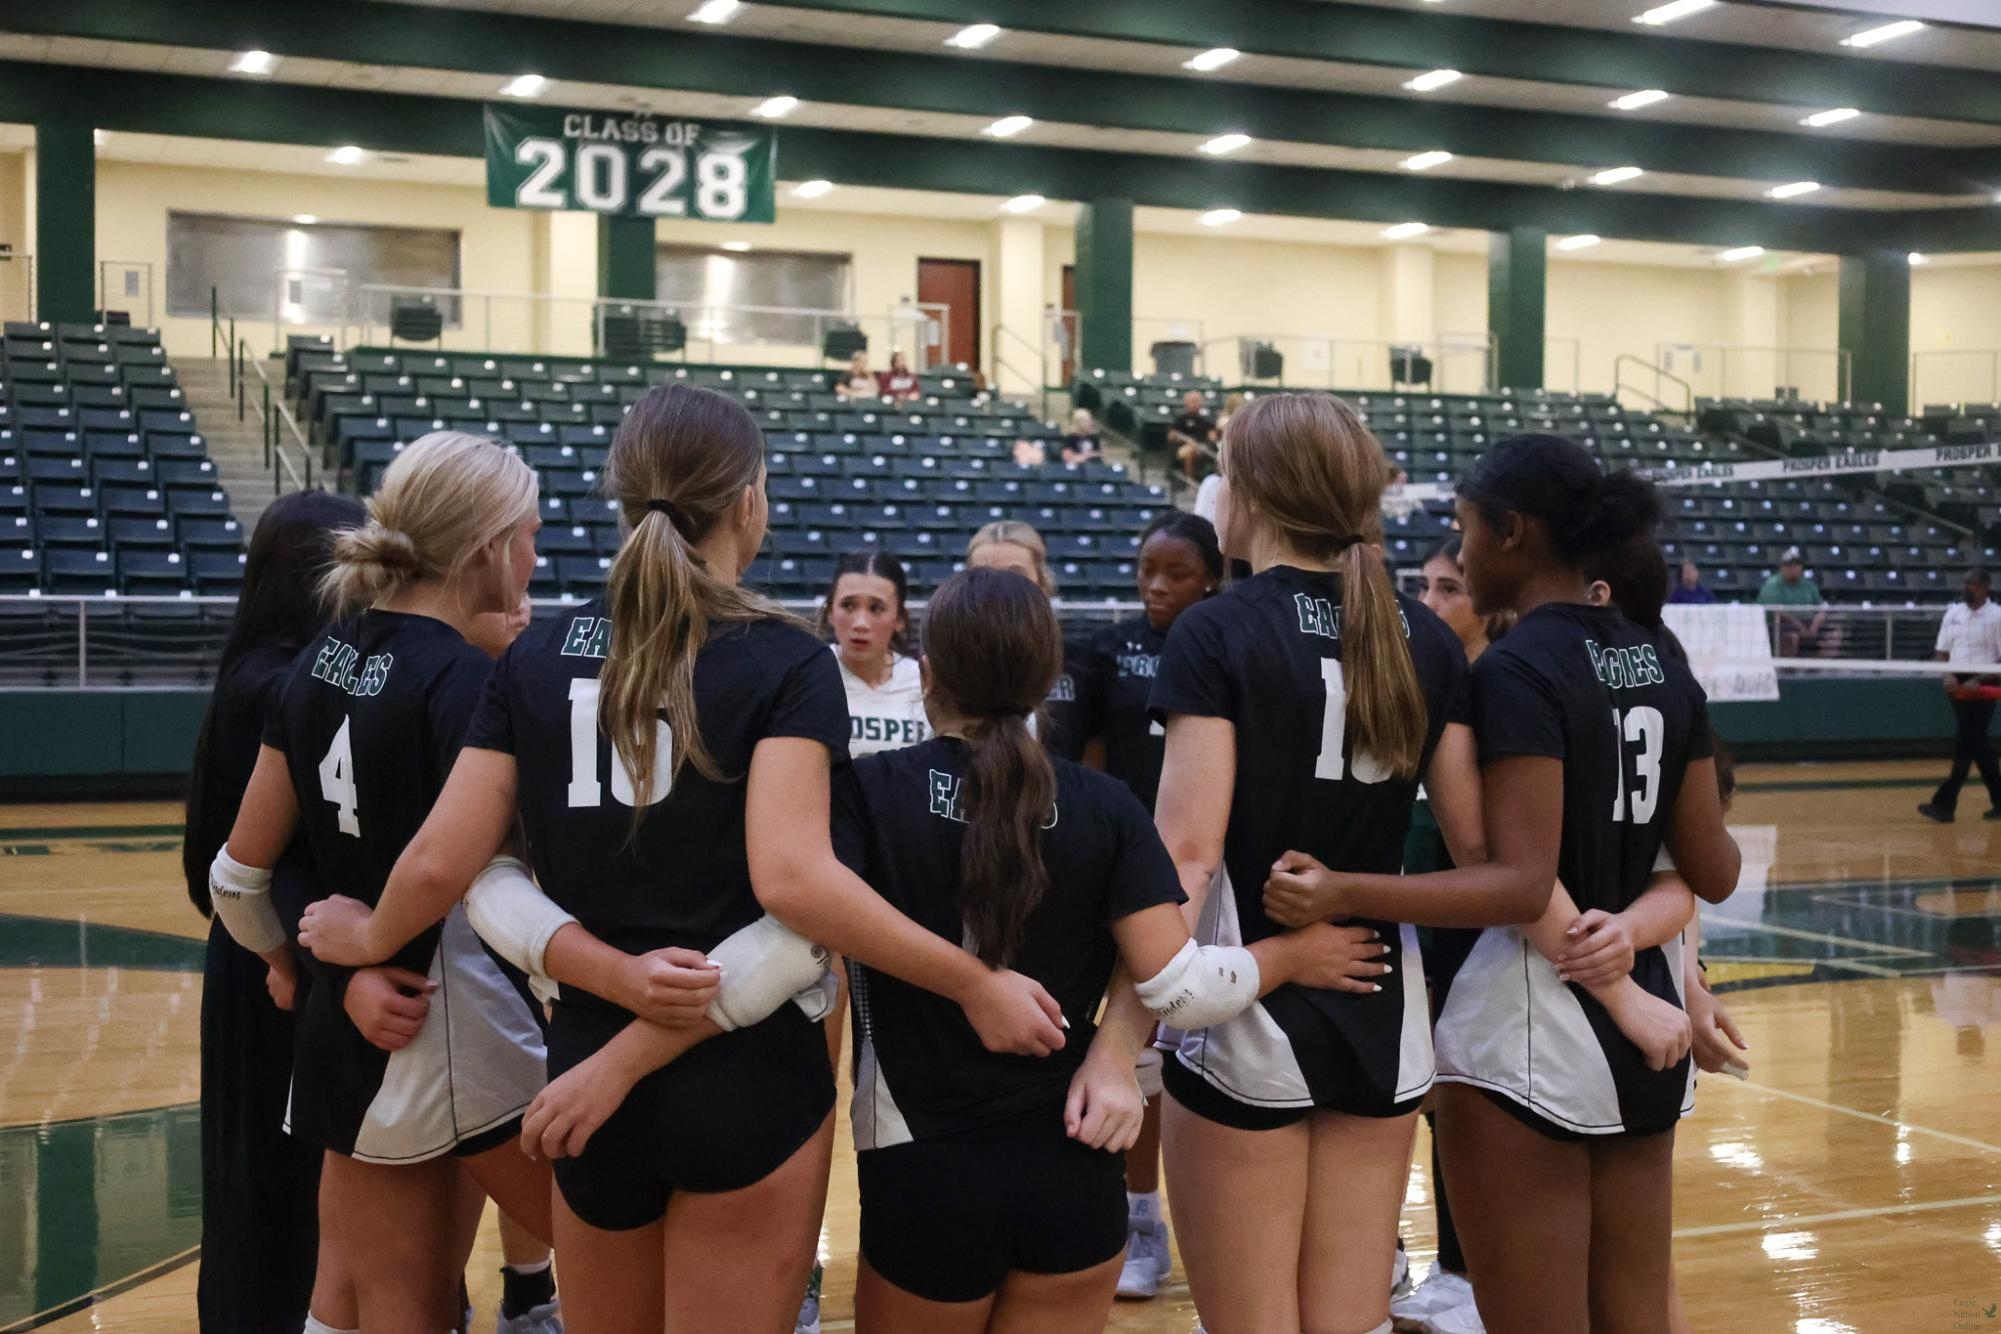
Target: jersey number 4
x=1646, y=727
x=1334, y=733
x=587, y=741
x=337, y=779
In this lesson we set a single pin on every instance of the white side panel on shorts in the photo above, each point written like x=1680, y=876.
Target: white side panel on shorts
x=1416, y=1063
x=878, y=1121
x=1248, y=1057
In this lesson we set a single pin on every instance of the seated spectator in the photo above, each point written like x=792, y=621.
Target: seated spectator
x=857, y=381
x=1081, y=444
x=1029, y=453
x=1395, y=504
x=1688, y=588
x=1193, y=435
x=1791, y=588
x=899, y=381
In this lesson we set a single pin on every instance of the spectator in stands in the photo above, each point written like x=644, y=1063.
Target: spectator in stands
x=1081, y=443
x=1791, y=588
x=1970, y=635
x=899, y=381
x=857, y=381
x=1193, y=436
x=1232, y=405
x=1029, y=453
x=1688, y=587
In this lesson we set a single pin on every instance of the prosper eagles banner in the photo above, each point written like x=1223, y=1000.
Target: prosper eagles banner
x=630, y=165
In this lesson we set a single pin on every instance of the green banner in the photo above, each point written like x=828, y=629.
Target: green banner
x=632, y=165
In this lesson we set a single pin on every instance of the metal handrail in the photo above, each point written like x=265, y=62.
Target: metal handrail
x=1041, y=377
x=1844, y=362
x=1660, y=404
x=273, y=417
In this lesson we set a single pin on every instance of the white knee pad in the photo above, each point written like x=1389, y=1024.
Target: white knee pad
x=1146, y=1070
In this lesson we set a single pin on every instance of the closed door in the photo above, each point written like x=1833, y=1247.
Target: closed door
x=955, y=285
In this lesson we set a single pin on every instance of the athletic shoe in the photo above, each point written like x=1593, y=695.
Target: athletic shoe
x=1148, y=1263
x=809, y=1310
x=1400, y=1274
x=544, y=1319
x=1439, y=1292
x=1940, y=814
x=1455, y=1320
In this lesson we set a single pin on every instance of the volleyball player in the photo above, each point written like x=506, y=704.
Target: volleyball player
x=1009, y=544
x=865, y=612
x=988, y=1202
x=260, y=1187
x=368, y=726
x=1595, y=749
x=1179, y=565
x=1301, y=708
x=670, y=750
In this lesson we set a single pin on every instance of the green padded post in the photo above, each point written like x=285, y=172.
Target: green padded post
x=1105, y=284
x=1517, y=281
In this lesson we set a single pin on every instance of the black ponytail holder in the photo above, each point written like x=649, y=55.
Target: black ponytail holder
x=668, y=508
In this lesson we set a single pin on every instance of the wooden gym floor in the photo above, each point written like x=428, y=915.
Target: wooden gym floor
x=1853, y=1184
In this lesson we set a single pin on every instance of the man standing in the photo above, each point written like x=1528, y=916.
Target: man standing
x=1791, y=588
x=1970, y=635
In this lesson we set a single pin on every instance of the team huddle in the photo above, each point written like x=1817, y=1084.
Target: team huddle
x=636, y=876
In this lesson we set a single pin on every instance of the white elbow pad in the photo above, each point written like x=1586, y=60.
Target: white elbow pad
x=242, y=898
x=511, y=913
x=1202, y=985
x=764, y=965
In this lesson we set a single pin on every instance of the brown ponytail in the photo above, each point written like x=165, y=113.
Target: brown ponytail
x=681, y=460
x=1305, y=469
x=994, y=650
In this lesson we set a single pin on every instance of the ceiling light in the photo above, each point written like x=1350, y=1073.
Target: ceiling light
x=1220, y=217
x=771, y=108
x=1794, y=190
x=1672, y=11
x=812, y=189
x=1742, y=252
x=736, y=247
x=1023, y=204
x=973, y=36
x=253, y=62
x=346, y=155
x=1225, y=143
x=1426, y=161
x=1916, y=259
x=100, y=137
x=1007, y=127
x=1646, y=97
x=1212, y=59
x=1403, y=231
x=1437, y=78
x=305, y=219
x=1821, y=119
x=1889, y=32
x=1584, y=242
x=1617, y=175
x=717, y=12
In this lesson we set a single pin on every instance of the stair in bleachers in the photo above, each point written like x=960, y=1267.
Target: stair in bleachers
x=236, y=447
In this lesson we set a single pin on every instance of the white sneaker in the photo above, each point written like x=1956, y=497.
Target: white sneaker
x=544, y=1319
x=1400, y=1275
x=1148, y=1263
x=1440, y=1291
x=1455, y=1320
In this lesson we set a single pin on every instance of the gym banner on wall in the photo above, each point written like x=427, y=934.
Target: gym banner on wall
x=631, y=165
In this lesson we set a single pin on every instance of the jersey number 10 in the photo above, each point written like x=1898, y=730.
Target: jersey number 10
x=1648, y=728
x=586, y=739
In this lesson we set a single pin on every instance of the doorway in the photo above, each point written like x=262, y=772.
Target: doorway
x=955, y=285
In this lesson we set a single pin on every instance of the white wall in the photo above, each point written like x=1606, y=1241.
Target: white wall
x=1810, y=314
x=1955, y=331
x=14, y=278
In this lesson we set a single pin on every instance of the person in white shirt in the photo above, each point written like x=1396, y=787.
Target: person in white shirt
x=864, y=613
x=1971, y=637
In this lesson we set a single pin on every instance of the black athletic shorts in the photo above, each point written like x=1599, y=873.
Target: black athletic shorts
x=947, y=1218
x=724, y=1116
x=1212, y=1104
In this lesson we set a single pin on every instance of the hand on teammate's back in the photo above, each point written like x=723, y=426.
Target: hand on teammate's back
x=566, y=1113
x=335, y=929
x=1660, y=1029
x=1339, y=958
x=671, y=987
x=388, y=1005
x=1600, y=951
x=1301, y=890
x=282, y=982
x=1012, y=1013
x=1717, y=1039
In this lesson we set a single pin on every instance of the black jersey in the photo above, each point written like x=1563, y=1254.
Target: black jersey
x=1069, y=710
x=1267, y=655
x=683, y=878
x=899, y=820
x=370, y=723
x=1124, y=659
x=1625, y=716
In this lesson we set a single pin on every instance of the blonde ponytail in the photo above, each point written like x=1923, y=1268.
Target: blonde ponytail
x=444, y=498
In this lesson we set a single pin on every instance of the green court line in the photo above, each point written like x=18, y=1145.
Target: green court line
x=1835, y=784
x=31, y=833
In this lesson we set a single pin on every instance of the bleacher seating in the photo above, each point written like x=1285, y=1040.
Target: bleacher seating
x=913, y=477
x=105, y=482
